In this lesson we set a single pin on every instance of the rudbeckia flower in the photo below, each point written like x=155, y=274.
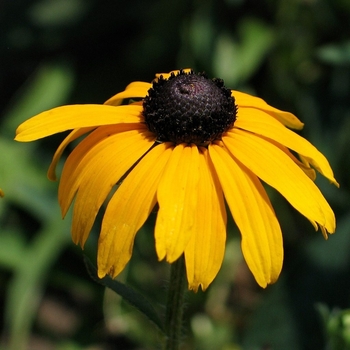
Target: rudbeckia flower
x=188, y=144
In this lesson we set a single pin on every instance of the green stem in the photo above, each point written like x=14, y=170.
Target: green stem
x=175, y=304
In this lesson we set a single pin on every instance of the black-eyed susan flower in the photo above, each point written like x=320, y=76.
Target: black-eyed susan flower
x=189, y=144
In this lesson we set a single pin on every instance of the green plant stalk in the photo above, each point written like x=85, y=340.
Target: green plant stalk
x=175, y=305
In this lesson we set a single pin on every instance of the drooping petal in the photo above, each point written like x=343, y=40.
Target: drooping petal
x=76, y=133
x=136, y=89
x=261, y=123
x=262, y=244
x=248, y=101
x=76, y=116
x=80, y=157
x=274, y=167
x=310, y=172
x=177, y=198
x=205, y=251
x=107, y=162
x=128, y=209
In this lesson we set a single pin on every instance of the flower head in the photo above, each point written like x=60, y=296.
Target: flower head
x=189, y=144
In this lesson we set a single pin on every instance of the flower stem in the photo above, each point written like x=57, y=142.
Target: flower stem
x=175, y=304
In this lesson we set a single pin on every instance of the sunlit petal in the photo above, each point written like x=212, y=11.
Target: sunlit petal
x=65, y=118
x=279, y=171
x=80, y=157
x=107, y=162
x=136, y=89
x=177, y=197
x=260, y=123
x=76, y=133
x=251, y=209
x=248, y=101
x=205, y=250
x=128, y=210
x=310, y=172
x=167, y=75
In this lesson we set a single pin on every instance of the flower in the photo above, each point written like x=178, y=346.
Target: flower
x=189, y=144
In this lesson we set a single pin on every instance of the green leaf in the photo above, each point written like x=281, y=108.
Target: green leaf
x=48, y=87
x=336, y=323
x=27, y=285
x=55, y=13
x=23, y=182
x=12, y=248
x=236, y=61
x=335, y=54
x=133, y=297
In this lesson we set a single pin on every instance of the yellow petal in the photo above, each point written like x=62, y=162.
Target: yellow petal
x=248, y=101
x=80, y=157
x=76, y=133
x=167, y=75
x=310, y=172
x=128, y=210
x=105, y=164
x=251, y=209
x=177, y=198
x=76, y=116
x=136, y=89
x=261, y=123
x=205, y=251
x=274, y=167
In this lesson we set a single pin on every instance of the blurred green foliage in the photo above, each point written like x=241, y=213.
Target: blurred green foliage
x=294, y=54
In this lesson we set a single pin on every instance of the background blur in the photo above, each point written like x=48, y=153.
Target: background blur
x=293, y=53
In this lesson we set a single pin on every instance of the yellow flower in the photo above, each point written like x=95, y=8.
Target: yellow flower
x=189, y=144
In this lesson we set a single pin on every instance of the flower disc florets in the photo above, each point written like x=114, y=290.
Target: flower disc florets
x=189, y=108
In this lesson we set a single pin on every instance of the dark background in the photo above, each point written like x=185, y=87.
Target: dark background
x=293, y=53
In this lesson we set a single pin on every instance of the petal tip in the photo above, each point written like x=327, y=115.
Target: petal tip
x=101, y=273
x=335, y=182
x=51, y=175
x=193, y=287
